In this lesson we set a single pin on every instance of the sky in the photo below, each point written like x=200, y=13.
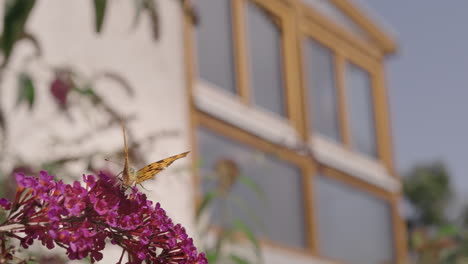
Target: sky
x=428, y=83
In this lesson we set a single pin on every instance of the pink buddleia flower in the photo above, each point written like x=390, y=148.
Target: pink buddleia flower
x=5, y=204
x=80, y=217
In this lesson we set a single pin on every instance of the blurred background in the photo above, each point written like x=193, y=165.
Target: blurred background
x=320, y=131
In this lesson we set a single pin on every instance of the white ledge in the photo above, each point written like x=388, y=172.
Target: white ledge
x=229, y=108
x=358, y=165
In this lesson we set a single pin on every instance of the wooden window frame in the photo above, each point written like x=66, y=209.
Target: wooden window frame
x=242, y=101
x=369, y=56
x=302, y=163
x=288, y=52
x=392, y=198
x=349, y=52
x=310, y=168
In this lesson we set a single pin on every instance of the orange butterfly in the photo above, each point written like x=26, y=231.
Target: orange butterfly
x=131, y=177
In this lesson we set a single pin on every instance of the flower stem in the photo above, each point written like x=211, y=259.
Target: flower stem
x=11, y=227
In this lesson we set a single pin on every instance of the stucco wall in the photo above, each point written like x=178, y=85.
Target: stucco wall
x=155, y=69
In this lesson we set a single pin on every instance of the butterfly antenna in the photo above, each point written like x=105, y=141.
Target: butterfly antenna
x=126, y=170
x=125, y=141
x=111, y=161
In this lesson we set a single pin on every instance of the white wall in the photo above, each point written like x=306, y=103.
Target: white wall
x=155, y=69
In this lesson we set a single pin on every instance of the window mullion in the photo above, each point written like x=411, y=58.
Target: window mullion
x=382, y=122
x=308, y=175
x=240, y=49
x=342, y=102
x=400, y=242
x=291, y=68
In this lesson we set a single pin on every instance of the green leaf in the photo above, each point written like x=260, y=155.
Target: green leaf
x=212, y=256
x=242, y=227
x=238, y=260
x=14, y=20
x=26, y=90
x=52, y=167
x=448, y=230
x=87, y=259
x=86, y=91
x=428, y=188
x=3, y=215
x=2, y=123
x=207, y=198
x=417, y=239
x=252, y=185
x=248, y=210
x=99, y=13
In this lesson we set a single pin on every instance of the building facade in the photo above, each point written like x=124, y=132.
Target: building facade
x=300, y=83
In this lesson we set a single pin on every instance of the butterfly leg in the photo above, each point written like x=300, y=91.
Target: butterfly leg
x=143, y=186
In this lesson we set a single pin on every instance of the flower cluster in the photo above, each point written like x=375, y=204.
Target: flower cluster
x=82, y=217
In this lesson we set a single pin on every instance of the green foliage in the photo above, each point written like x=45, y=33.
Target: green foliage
x=14, y=21
x=208, y=197
x=434, y=239
x=448, y=230
x=234, y=232
x=241, y=227
x=99, y=13
x=238, y=260
x=428, y=189
x=212, y=255
x=3, y=215
x=253, y=186
x=26, y=90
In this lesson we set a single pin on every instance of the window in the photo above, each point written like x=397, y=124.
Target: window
x=275, y=74
x=359, y=94
x=353, y=226
x=214, y=44
x=240, y=49
x=321, y=86
x=283, y=212
x=338, y=80
x=265, y=59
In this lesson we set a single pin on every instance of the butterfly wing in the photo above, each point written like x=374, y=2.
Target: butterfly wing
x=154, y=168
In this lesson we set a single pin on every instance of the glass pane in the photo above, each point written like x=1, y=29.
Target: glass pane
x=282, y=212
x=265, y=60
x=320, y=73
x=359, y=94
x=214, y=43
x=353, y=226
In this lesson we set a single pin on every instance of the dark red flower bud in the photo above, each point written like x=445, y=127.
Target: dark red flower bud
x=60, y=88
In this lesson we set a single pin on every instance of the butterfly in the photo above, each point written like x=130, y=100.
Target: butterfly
x=131, y=177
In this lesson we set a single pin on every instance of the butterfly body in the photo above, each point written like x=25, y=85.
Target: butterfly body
x=131, y=177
